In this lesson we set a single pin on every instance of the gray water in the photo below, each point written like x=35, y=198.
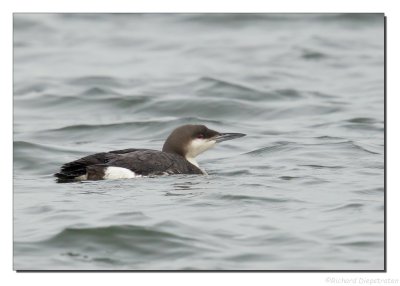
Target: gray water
x=304, y=190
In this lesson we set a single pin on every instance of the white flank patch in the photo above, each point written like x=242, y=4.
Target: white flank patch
x=81, y=178
x=112, y=173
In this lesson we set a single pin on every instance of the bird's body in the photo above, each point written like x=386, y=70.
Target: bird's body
x=128, y=163
x=177, y=157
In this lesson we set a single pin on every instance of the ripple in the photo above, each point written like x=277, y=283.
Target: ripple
x=215, y=86
x=210, y=86
x=99, y=91
x=363, y=123
x=288, y=178
x=322, y=166
x=124, y=246
x=366, y=120
x=37, y=158
x=279, y=147
x=105, y=81
x=345, y=145
x=358, y=147
x=372, y=191
x=325, y=137
x=214, y=108
x=287, y=93
x=361, y=18
x=23, y=23
x=230, y=173
x=133, y=239
x=31, y=147
x=313, y=55
x=351, y=206
x=133, y=215
x=247, y=198
x=362, y=243
x=308, y=111
x=103, y=127
x=150, y=127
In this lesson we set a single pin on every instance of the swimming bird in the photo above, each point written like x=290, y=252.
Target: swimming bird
x=178, y=155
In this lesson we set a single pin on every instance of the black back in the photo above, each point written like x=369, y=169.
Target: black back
x=141, y=161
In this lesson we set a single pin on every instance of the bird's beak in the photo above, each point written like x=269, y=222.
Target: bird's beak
x=227, y=136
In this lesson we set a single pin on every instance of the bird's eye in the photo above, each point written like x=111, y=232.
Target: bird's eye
x=200, y=135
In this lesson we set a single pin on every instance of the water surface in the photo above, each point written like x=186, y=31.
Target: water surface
x=304, y=190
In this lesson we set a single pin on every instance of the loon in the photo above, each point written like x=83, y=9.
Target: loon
x=177, y=157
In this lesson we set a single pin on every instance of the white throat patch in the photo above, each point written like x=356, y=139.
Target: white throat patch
x=198, y=146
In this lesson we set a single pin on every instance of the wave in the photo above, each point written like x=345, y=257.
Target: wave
x=248, y=198
x=118, y=236
x=285, y=146
x=150, y=127
x=322, y=166
x=351, y=206
x=39, y=159
x=361, y=120
x=98, y=81
x=34, y=147
x=362, y=18
x=146, y=240
x=282, y=146
x=121, y=246
x=222, y=88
